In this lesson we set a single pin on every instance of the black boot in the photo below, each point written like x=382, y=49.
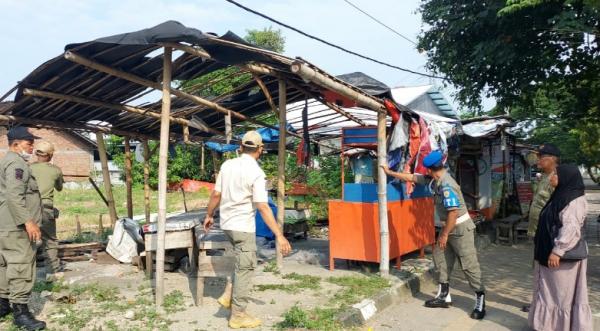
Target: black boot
x=24, y=319
x=442, y=299
x=4, y=308
x=479, y=310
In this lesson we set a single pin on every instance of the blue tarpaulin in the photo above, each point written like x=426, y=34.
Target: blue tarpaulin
x=222, y=148
x=268, y=136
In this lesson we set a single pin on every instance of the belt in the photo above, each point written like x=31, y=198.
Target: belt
x=463, y=218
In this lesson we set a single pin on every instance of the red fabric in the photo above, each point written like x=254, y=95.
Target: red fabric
x=300, y=153
x=424, y=148
x=392, y=110
x=414, y=138
x=337, y=99
x=190, y=185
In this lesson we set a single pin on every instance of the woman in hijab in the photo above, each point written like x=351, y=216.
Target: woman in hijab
x=560, y=296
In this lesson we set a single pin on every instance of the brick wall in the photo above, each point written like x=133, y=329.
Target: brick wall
x=72, y=154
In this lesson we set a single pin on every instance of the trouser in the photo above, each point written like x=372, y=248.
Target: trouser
x=49, y=241
x=17, y=266
x=244, y=246
x=461, y=247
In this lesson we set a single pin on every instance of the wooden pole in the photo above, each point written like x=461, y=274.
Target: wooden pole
x=146, y=180
x=384, y=262
x=202, y=166
x=228, y=131
x=100, y=227
x=117, y=107
x=106, y=177
x=162, y=175
x=281, y=166
x=98, y=190
x=78, y=225
x=128, y=179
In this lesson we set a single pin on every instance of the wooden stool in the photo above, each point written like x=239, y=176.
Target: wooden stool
x=214, y=266
x=521, y=231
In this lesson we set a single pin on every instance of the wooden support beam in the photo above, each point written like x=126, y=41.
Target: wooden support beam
x=266, y=92
x=384, y=259
x=117, y=107
x=106, y=177
x=128, y=178
x=163, y=160
x=311, y=74
x=146, y=180
x=228, y=130
x=281, y=166
x=144, y=82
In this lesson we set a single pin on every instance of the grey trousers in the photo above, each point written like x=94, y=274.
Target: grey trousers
x=49, y=241
x=461, y=248
x=244, y=246
x=17, y=266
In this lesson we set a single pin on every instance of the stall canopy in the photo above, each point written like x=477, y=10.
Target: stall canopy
x=103, y=85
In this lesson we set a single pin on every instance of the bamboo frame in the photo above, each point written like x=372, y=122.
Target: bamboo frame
x=106, y=177
x=128, y=178
x=281, y=156
x=162, y=175
x=384, y=259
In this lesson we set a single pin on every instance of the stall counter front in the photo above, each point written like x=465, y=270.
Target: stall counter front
x=354, y=228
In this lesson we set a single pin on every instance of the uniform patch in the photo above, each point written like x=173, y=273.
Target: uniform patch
x=19, y=173
x=450, y=198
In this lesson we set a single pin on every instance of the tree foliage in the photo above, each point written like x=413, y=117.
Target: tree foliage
x=539, y=59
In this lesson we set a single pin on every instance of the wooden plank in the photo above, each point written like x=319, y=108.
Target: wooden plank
x=281, y=165
x=174, y=239
x=216, y=266
x=128, y=178
x=215, y=245
x=106, y=177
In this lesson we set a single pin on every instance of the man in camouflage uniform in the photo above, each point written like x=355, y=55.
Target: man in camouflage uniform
x=49, y=178
x=547, y=161
x=20, y=215
x=456, y=239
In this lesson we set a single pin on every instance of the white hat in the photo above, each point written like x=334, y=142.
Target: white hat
x=44, y=148
x=252, y=139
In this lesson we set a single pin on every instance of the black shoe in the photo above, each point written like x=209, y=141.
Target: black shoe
x=4, y=308
x=525, y=308
x=479, y=310
x=24, y=319
x=442, y=299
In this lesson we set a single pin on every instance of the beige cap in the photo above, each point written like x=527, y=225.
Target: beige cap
x=44, y=148
x=252, y=139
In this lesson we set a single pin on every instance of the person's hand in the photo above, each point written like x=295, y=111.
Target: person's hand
x=284, y=245
x=553, y=261
x=386, y=169
x=33, y=231
x=442, y=241
x=208, y=222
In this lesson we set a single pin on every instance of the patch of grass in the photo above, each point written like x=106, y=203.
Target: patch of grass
x=111, y=326
x=314, y=319
x=356, y=288
x=49, y=286
x=173, y=301
x=271, y=267
x=97, y=292
x=74, y=319
x=300, y=282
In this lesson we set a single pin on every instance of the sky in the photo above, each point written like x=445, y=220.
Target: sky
x=36, y=31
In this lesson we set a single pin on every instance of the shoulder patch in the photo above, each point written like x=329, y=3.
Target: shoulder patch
x=450, y=197
x=19, y=173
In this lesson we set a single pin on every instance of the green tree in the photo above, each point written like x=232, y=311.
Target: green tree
x=538, y=58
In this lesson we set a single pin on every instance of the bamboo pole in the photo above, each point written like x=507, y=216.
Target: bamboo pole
x=117, y=107
x=100, y=227
x=78, y=225
x=106, y=177
x=384, y=262
x=144, y=82
x=162, y=175
x=202, y=159
x=146, y=180
x=281, y=166
x=128, y=179
x=228, y=131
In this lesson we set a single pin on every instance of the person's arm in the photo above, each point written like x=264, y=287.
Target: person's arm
x=405, y=177
x=58, y=184
x=450, y=224
x=267, y=215
x=17, y=178
x=572, y=218
x=213, y=203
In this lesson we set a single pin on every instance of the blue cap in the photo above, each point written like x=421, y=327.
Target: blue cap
x=433, y=159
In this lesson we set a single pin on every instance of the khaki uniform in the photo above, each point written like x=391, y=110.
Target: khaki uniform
x=461, y=240
x=19, y=202
x=541, y=195
x=244, y=246
x=49, y=178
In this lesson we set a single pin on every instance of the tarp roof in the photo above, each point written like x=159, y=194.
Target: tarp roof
x=139, y=53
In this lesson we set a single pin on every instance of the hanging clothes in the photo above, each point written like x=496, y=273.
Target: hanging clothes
x=399, y=136
x=424, y=148
x=413, y=151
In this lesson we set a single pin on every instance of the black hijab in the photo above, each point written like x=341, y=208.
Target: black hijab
x=570, y=187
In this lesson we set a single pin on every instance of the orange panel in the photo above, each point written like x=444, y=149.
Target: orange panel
x=354, y=228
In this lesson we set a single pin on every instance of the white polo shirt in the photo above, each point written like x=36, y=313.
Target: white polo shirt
x=241, y=182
